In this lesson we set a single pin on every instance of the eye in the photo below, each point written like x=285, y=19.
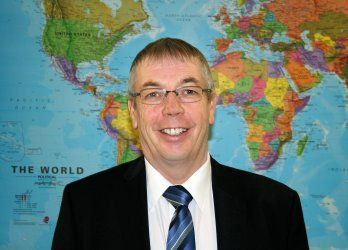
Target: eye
x=149, y=94
x=189, y=91
x=152, y=94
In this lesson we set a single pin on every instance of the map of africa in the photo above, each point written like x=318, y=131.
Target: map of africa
x=280, y=69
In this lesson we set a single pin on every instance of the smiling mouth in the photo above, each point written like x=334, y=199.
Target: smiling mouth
x=173, y=131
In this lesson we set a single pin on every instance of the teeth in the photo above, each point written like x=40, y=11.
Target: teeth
x=174, y=131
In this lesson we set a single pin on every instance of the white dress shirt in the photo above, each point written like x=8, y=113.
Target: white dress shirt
x=160, y=211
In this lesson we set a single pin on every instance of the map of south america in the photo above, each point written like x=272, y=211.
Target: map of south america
x=78, y=32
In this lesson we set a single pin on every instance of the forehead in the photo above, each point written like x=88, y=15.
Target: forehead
x=168, y=71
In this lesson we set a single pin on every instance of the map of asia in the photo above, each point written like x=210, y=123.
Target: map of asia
x=281, y=73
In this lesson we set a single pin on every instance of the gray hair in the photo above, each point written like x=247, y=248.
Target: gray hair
x=170, y=48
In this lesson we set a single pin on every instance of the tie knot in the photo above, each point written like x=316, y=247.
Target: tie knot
x=177, y=195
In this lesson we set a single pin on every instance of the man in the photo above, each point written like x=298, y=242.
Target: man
x=176, y=196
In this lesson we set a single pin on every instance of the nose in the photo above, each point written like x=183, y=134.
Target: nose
x=172, y=105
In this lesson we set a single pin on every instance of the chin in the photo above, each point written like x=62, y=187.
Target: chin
x=172, y=156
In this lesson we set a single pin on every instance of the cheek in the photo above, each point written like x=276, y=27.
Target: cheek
x=197, y=116
x=148, y=118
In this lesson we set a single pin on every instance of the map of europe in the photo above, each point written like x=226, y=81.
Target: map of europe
x=280, y=69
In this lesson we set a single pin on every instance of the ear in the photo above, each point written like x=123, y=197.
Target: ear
x=132, y=113
x=212, y=107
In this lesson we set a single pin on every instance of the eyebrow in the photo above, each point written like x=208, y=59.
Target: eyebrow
x=189, y=80
x=154, y=84
x=151, y=84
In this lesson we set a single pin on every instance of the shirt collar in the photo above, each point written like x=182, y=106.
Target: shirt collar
x=156, y=184
x=198, y=184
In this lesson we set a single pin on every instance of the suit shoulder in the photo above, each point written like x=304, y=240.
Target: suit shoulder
x=232, y=178
x=113, y=175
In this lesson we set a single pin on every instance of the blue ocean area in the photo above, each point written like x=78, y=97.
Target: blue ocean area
x=48, y=121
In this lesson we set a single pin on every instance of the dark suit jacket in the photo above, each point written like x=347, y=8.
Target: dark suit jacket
x=108, y=210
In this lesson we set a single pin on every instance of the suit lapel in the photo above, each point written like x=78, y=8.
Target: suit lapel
x=135, y=215
x=229, y=210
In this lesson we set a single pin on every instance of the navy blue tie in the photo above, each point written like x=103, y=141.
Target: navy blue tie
x=181, y=233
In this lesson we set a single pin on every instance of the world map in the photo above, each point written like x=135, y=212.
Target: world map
x=280, y=69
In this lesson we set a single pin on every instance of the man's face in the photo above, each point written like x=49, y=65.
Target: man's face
x=172, y=131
